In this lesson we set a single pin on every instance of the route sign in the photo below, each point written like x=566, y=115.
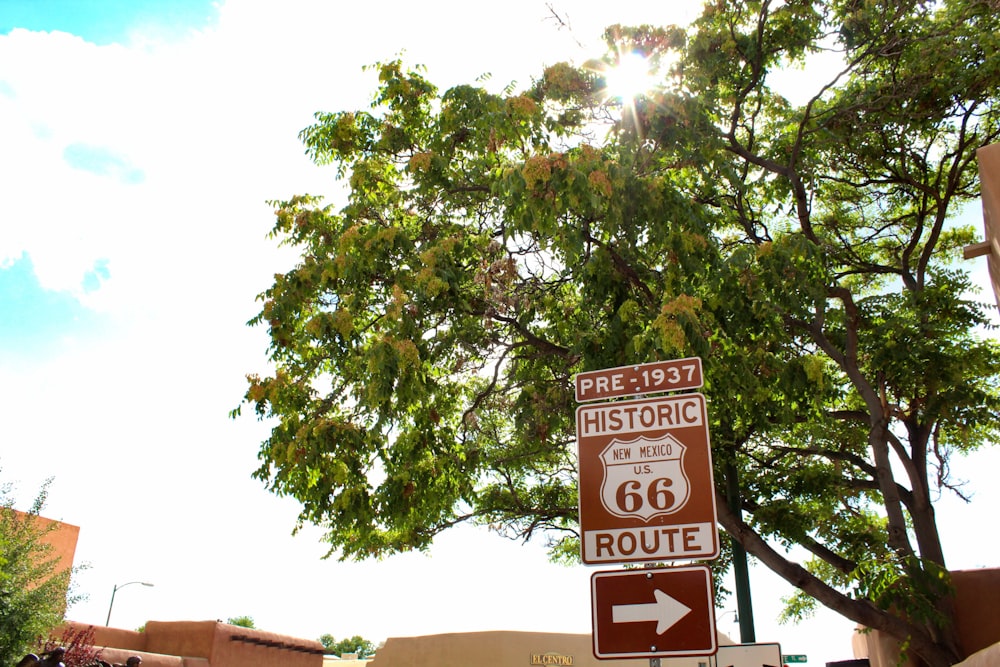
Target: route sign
x=647, y=491
x=649, y=378
x=664, y=612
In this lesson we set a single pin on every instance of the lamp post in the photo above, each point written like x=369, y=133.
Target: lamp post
x=116, y=588
x=734, y=612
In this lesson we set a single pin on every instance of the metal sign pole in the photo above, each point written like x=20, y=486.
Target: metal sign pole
x=740, y=569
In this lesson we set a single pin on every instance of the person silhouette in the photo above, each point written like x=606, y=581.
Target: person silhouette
x=53, y=658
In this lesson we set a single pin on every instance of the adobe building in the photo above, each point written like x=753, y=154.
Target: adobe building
x=509, y=649
x=976, y=620
x=203, y=644
x=60, y=537
x=216, y=644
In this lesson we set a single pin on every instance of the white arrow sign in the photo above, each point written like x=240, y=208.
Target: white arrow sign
x=666, y=611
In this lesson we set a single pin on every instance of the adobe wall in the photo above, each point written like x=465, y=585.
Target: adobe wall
x=117, y=645
x=234, y=646
x=118, y=656
x=62, y=537
x=205, y=644
x=977, y=622
x=186, y=638
x=115, y=637
x=976, y=596
x=503, y=649
x=334, y=661
x=987, y=657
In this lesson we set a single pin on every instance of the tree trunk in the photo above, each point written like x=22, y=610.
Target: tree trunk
x=920, y=641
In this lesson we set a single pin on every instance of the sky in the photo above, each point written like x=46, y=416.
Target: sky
x=139, y=144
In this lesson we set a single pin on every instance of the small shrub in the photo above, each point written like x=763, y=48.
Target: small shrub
x=79, y=645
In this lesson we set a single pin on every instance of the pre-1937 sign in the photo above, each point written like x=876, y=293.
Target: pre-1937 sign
x=649, y=378
x=646, y=485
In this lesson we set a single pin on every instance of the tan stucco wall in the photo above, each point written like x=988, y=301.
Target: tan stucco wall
x=977, y=593
x=205, y=644
x=62, y=538
x=333, y=661
x=976, y=620
x=215, y=644
x=117, y=645
x=116, y=637
x=987, y=657
x=118, y=656
x=503, y=649
x=187, y=638
x=241, y=647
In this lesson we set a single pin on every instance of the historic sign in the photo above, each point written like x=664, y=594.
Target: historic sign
x=646, y=486
x=664, y=612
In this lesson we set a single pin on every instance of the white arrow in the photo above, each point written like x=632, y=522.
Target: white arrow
x=666, y=611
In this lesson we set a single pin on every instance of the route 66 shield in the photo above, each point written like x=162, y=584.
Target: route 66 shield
x=644, y=477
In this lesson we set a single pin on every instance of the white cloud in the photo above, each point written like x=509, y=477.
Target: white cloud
x=134, y=426
x=210, y=122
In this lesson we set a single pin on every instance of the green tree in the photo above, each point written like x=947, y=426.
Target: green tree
x=356, y=644
x=242, y=622
x=34, y=587
x=495, y=244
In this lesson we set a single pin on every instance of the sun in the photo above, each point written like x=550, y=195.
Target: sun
x=631, y=77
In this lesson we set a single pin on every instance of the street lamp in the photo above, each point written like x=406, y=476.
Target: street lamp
x=734, y=612
x=110, y=606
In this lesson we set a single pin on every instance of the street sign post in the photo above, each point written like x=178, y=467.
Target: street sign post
x=664, y=612
x=646, y=485
x=649, y=378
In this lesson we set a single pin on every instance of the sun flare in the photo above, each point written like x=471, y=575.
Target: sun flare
x=630, y=78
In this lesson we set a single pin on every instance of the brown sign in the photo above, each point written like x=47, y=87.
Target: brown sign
x=665, y=612
x=647, y=492
x=651, y=378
